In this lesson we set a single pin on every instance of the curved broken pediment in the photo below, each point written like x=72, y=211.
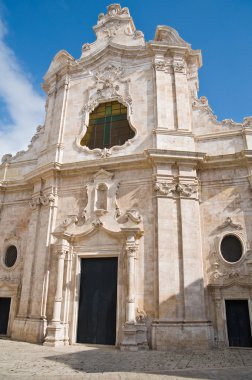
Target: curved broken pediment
x=169, y=36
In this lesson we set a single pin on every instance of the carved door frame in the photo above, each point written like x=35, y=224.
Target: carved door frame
x=120, y=302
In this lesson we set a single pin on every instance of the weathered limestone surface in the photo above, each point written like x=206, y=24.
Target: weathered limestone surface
x=161, y=202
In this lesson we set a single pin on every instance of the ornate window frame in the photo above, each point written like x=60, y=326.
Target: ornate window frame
x=240, y=237
x=6, y=245
x=109, y=87
x=105, y=152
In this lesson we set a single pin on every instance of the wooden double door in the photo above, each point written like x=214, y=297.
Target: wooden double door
x=97, y=301
x=4, y=314
x=238, y=323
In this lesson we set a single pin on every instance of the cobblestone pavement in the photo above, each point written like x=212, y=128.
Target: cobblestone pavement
x=27, y=361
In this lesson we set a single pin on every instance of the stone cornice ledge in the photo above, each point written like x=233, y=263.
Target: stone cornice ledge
x=163, y=155
x=96, y=164
x=215, y=135
x=243, y=158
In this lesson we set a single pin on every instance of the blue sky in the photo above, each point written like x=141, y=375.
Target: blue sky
x=33, y=31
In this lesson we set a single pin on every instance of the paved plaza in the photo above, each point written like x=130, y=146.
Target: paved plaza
x=20, y=360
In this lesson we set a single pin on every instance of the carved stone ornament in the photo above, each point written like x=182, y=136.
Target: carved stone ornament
x=163, y=65
x=141, y=316
x=116, y=22
x=202, y=104
x=219, y=274
x=138, y=34
x=230, y=122
x=6, y=158
x=97, y=223
x=86, y=47
x=130, y=299
x=70, y=220
x=247, y=121
x=110, y=29
x=10, y=279
x=39, y=131
x=230, y=224
x=176, y=189
x=42, y=200
x=179, y=66
x=133, y=215
x=131, y=250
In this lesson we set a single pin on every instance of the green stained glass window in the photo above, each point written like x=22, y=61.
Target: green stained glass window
x=108, y=126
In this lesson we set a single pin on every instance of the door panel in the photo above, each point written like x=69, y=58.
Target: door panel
x=4, y=314
x=238, y=323
x=97, y=302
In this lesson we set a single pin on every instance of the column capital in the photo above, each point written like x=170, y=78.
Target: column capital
x=132, y=233
x=62, y=247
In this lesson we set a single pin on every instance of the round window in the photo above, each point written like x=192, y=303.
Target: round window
x=10, y=256
x=231, y=248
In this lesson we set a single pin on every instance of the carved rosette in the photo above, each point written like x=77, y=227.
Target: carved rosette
x=176, y=189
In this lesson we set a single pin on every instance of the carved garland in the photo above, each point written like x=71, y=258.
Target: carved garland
x=175, y=189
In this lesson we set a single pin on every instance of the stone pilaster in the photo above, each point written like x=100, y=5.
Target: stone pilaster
x=164, y=95
x=55, y=330
x=181, y=306
x=182, y=94
x=30, y=322
x=134, y=333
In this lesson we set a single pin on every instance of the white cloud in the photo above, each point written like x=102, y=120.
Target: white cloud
x=24, y=105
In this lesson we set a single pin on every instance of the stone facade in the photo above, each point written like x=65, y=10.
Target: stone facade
x=173, y=192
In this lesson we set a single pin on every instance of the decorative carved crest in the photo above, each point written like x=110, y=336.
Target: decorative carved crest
x=97, y=223
x=229, y=224
x=103, y=175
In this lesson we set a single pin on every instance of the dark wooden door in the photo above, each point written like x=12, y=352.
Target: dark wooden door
x=4, y=314
x=238, y=323
x=97, y=302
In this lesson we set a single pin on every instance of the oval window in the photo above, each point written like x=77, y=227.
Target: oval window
x=108, y=126
x=10, y=256
x=231, y=248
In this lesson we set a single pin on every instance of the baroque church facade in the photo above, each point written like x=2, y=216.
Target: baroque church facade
x=128, y=220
